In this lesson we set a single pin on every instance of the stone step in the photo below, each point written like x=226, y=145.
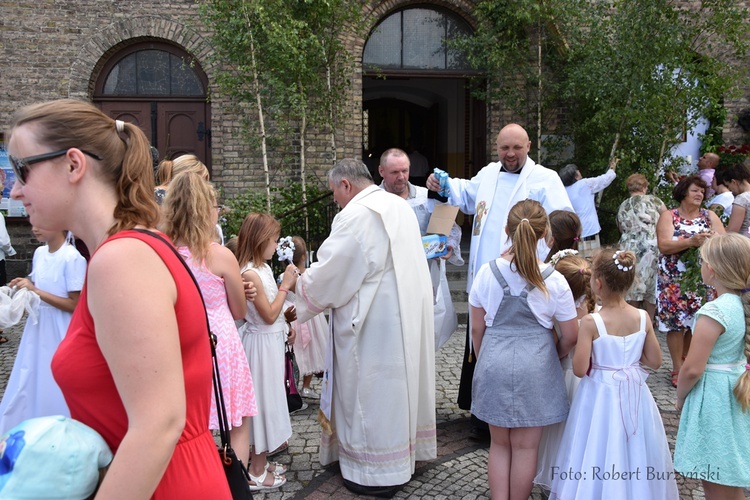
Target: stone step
x=462, y=312
x=456, y=273
x=458, y=290
x=457, y=284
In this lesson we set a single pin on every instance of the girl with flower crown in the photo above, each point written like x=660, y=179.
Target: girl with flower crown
x=614, y=444
x=263, y=337
x=518, y=385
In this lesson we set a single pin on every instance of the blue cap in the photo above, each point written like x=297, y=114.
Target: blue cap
x=51, y=457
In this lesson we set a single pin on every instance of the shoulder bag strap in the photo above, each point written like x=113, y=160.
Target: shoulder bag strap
x=218, y=394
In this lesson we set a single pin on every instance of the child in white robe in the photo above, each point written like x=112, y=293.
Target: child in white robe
x=58, y=272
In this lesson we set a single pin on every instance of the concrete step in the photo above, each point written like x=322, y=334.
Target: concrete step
x=456, y=273
x=457, y=284
x=462, y=312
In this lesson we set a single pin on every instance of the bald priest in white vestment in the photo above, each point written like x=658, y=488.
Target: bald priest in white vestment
x=379, y=387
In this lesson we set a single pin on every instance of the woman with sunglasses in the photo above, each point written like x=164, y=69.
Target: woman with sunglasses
x=135, y=364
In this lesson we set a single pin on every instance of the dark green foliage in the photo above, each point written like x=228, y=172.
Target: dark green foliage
x=284, y=200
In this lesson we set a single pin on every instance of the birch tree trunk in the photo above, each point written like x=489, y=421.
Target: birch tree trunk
x=261, y=121
x=539, y=90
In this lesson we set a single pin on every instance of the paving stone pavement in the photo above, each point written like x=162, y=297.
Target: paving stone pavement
x=460, y=471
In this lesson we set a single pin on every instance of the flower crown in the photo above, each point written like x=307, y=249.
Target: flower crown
x=285, y=249
x=618, y=264
x=561, y=255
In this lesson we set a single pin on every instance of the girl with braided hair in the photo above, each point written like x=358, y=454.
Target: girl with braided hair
x=713, y=389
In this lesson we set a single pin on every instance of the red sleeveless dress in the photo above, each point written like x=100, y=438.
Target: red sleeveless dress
x=81, y=371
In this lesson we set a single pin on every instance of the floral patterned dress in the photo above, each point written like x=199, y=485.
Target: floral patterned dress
x=637, y=218
x=675, y=310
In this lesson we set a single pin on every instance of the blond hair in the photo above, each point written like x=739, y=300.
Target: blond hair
x=577, y=272
x=189, y=163
x=636, y=183
x=187, y=214
x=126, y=162
x=527, y=223
x=256, y=230
x=728, y=254
x=164, y=172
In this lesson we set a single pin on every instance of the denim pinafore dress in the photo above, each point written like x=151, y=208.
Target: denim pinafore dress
x=518, y=380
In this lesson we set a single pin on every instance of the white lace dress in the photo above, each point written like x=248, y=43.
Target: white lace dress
x=264, y=347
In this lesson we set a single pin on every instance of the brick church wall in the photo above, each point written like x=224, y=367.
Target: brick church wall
x=51, y=49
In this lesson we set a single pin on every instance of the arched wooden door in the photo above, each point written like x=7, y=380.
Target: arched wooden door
x=162, y=89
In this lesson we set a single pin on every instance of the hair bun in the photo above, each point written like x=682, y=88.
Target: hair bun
x=624, y=260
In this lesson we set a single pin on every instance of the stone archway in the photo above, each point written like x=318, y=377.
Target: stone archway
x=193, y=117
x=95, y=53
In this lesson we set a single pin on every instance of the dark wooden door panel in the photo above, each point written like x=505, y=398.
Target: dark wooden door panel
x=138, y=113
x=174, y=128
x=178, y=129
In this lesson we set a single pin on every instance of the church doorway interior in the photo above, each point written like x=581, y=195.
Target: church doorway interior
x=160, y=88
x=426, y=114
x=415, y=92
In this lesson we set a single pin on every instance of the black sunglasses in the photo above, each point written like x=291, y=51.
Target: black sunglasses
x=21, y=165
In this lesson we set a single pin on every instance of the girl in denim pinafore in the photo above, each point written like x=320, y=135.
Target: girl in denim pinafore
x=518, y=384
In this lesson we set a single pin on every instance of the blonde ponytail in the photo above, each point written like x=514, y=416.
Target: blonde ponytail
x=125, y=153
x=527, y=223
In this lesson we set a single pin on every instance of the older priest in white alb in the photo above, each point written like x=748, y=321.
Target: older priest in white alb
x=379, y=387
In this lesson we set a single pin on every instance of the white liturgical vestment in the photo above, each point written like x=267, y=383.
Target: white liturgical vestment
x=491, y=194
x=372, y=274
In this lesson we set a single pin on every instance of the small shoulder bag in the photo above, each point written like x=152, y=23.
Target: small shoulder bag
x=235, y=470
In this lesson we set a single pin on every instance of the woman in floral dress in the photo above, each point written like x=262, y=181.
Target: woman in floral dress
x=677, y=231
x=636, y=219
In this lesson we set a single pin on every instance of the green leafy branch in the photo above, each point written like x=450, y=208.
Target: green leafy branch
x=691, y=279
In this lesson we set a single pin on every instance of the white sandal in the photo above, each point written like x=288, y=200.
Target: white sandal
x=277, y=481
x=278, y=469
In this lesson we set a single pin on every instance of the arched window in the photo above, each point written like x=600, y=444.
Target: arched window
x=415, y=38
x=152, y=72
x=162, y=89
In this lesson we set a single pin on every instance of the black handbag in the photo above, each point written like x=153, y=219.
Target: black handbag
x=237, y=475
x=293, y=399
x=235, y=470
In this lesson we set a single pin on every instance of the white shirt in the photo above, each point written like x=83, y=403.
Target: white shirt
x=6, y=249
x=487, y=294
x=725, y=200
x=581, y=195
